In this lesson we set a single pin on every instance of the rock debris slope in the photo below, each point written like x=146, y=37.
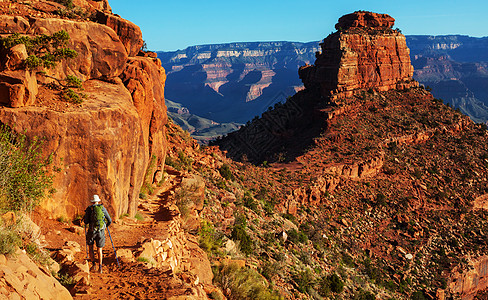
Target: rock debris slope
x=385, y=180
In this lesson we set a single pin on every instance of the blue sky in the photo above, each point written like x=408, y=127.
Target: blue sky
x=177, y=24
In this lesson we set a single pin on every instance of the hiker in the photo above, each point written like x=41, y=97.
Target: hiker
x=97, y=218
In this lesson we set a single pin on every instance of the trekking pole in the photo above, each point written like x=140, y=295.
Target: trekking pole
x=115, y=252
x=86, y=245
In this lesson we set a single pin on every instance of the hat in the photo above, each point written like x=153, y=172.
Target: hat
x=95, y=199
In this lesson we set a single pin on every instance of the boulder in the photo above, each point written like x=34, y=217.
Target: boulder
x=13, y=24
x=93, y=5
x=15, y=57
x=18, y=88
x=125, y=255
x=23, y=279
x=195, y=186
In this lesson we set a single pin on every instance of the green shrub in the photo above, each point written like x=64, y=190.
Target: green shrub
x=296, y=236
x=183, y=202
x=66, y=280
x=418, y=295
x=138, y=216
x=239, y=234
x=209, y=240
x=71, y=96
x=249, y=202
x=73, y=81
x=304, y=280
x=143, y=259
x=68, y=3
x=225, y=172
x=331, y=283
x=9, y=241
x=37, y=254
x=364, y=295
x=24, y=174
x=243, y=283
x=245, y=241
x=43, y=50
x=185, y=161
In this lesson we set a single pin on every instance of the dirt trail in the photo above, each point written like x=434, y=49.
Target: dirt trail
x=132, y=280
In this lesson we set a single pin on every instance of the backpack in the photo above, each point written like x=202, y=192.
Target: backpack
x=97, y=222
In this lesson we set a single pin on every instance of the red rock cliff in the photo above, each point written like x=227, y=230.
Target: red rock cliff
x=104, y=145
x=365, y=53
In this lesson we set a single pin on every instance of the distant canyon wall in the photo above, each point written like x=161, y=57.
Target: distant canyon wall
x=235, y=82
x=237, y=74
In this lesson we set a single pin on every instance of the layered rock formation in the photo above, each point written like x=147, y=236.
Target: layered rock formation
x=239, y=80
x=104, y=145
x=365, y=53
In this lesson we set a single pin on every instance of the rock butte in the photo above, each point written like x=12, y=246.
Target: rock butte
x=364, y=53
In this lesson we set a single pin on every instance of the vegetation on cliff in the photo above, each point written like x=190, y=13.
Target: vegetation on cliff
x=25, y=175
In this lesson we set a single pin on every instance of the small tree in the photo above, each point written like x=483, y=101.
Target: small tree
x=24, y=173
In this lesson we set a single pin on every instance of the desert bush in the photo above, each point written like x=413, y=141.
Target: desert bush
x=71, y=96
x=185, y=161
x=43, y=50
x=68, y=3
x=9, y=240
x=249, y=202
x=304, y=280
x=73, y=81
x=243, y=283
x=419, y=295
x=24, y=173
x=331, y=283
x=66, y=280
x=225, y=172
x=184, y=197
x=364, y=295
x=209, y=239
x=37, y=253
x=296, y=236
x=138, y=216
x=239, y=233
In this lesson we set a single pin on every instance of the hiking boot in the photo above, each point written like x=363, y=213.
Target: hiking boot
x=93, y=267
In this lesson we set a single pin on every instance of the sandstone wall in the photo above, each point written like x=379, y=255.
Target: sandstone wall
x=104, y=145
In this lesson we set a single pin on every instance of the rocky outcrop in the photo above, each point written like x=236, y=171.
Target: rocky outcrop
x=467, y=283
x=365, y=53
x=104, y=145
x=21, y=278
x=364, y=19
x=145, y=79
x=101, y=54
x=128, y=32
